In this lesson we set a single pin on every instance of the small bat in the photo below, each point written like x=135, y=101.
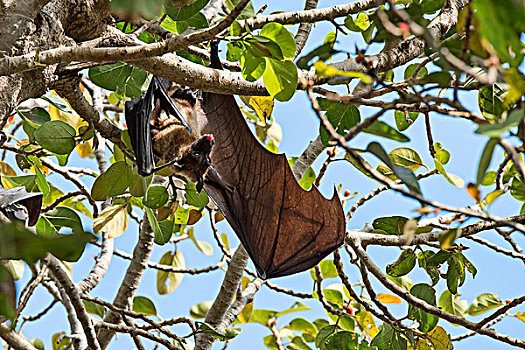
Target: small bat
x=284, y=228
x=12, y=199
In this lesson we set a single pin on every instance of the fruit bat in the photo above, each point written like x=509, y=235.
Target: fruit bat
x=13, y=199
x=284, y=228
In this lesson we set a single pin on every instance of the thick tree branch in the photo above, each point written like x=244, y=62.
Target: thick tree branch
x=219, y=308
x=14, y=340
x=129, y=285
x=304, y=28
x=74, y=296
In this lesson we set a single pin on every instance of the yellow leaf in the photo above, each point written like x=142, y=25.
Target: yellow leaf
x=439, y=339
x=6, y=170
x=519, y=315
x=114, y=220
x=324, y=70
x=246, y=313
x=491, y=197
x=388, y=299
x=6, y=184
x=262, y=105
x=85, y=149
x=366, y=320
x=447, y=239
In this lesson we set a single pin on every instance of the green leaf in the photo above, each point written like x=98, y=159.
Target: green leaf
x=94, y=308
x=403, y=265
x=328, y=270
x=323, y=52
x=7, y=293
x=143, y=305
x=113, y=182
x=484, y=303
x=446, y=240
x=139, y=185
x=160, y=237
x=16, y=268
x=490, y=101
x=451, y=304
x=262, y=316
x=297, y=306
x=442, y=155
x=220, y=333
x=342, y=116
x=200, y=310
x=442, y=78
x=280, y=78
x=203, y=246
x=360, y=24
x=185, y=12
x=57, y=101
x=382, y=129
x=64, y=344
x=501, y=23
x=431, y=6
x=234, y=51
x=389, y=339
x=453, y=179
x=392, y=225
x=427, y=321
x=36, y=115
x=16, y=243
x=56, y=136
x=30, y=132
x=324, y=334
x=411, y=68
x=41, y=181
x=489, y=178
x=252, y=67
x=303, y=325
x=156, y=197
x=52, y=221
x=404, y=174
x=406, y=157
x=120, y=77
x=343, y=341
x=280, y=35
x=324, y=70
x=422, y=259
x=495, y=130
x=517, y=190
x=402, y=122
x=199, y=200
x=455, y=273
x=28, y=181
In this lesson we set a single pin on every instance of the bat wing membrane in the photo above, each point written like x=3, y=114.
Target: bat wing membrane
x=284, y=228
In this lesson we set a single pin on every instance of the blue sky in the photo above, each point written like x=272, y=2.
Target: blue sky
x=300, y=125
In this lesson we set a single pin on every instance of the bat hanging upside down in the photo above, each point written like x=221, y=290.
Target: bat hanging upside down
x=204, y=138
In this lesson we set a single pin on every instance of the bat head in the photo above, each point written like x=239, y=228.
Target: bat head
x=196, y=159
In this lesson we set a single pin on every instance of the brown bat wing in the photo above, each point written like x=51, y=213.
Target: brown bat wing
x=284, y=228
